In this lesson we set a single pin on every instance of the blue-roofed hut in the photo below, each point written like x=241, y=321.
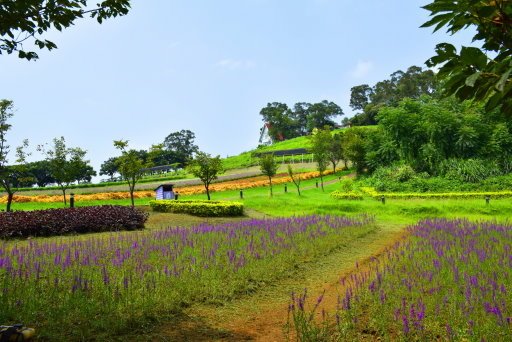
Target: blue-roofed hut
x=165, y=192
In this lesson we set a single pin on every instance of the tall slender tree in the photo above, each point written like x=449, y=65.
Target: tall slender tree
x=206, y=168
x=320, y=144
x=66, y=164
x=11, y=176
x=269, y=166
x=129, y=166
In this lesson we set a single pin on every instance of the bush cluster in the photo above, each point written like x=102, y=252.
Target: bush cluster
x=351, y=195
x=199, y=208
x=70, y=220
x=401, y=179
x=440, y=195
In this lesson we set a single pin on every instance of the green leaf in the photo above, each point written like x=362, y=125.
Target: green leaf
x=473, y=56
x=471, y=80
x=503, y=80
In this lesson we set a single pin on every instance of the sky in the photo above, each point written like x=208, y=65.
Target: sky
x=207, y=66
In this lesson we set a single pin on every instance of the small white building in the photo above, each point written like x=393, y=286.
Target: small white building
x=165, y=192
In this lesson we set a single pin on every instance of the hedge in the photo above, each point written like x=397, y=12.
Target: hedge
x=446, y=195
x=199, y=208
x=439, y=195
x=70, y=220
x=351, y=195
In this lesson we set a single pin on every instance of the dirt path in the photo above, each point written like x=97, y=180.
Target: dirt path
x=263, y=315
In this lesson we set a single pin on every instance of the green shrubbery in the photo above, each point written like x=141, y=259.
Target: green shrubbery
x=199, y=208
x=351, y=195
x=459, y=175
x=446, y=195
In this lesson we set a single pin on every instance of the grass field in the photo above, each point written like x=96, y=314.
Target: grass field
x=125, y=284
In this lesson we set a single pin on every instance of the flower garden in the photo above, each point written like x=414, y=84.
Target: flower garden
x=106, y=283
x=450, y=281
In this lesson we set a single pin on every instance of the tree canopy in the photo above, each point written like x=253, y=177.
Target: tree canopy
x=29, y=20
x=268, y=167
x=67, y=165
x=286, y=123
x=130, y=165
x=413, y=83
x=483, y=74
x=206, y=168
x=180, y=147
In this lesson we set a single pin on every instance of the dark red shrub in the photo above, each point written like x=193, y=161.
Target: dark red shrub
x=67, y=221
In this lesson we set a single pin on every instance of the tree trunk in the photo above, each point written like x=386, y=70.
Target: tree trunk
x=207, y=191
x=298, y=189
x=10, y=195
x=334, y=167
x=346, y=164
x=132, y=189
x=64, y=195
x=270, y=180
x=322, y=180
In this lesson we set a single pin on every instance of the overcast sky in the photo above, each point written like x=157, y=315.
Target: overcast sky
x=208, y=66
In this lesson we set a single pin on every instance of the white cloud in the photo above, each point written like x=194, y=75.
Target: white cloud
x=362, y=69
x=235, y=64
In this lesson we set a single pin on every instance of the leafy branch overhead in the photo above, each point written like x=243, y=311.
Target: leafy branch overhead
x=29, y=20
x=485, y=73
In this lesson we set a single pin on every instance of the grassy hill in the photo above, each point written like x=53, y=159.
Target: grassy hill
x=246, y=159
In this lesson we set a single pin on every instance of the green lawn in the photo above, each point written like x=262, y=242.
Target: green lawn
x=390, y=218
x=315, y=201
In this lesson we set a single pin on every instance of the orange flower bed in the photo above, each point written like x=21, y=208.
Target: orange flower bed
x=86, y=197
x=246, y=183
x=238, y=184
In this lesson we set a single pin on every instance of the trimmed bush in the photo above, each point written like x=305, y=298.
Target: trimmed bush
x=440, y=195
x=351, y=195
x=199, y=208
x=70, y=220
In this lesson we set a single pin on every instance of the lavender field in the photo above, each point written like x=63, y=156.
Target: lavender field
x=452, y=280
x=68, y=288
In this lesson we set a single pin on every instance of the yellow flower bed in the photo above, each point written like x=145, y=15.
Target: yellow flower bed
x=86, y=197
x=238, y=184
x=246, y=183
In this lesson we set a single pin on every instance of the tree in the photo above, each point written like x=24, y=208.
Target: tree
x=413, y=83
x=66, y=164
x=22, y=20
x=269, y=166
x=320, y=144
x=482, y=74
x=353, y=141
x=280, y=118
x=11, y=176
x=322, y=113
x=129, y=166
x=40, y=171
x=300, y=116
x=109, y=168
x=158, y=155
x=180, y=147
x=335, y=152
x=295, y=178
x=85, y=174
x=206, y=168
x=360, y=96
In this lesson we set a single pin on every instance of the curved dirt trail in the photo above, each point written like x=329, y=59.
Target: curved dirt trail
x=262, y=316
